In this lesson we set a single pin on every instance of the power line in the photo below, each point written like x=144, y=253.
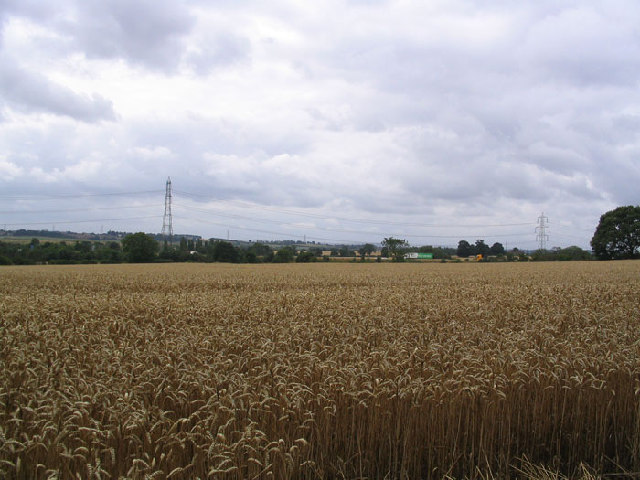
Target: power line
x=343, y=230
x=70, y=222
x=76, y=195
x=241, y=204
x=226, y=225
x=281, y=234
x=167, y=229
x=66, y=210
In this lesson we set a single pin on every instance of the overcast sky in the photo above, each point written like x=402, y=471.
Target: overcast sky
x=345, y=121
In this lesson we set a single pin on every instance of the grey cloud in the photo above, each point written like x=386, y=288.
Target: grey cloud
x=146, y=32
x=33, y=92
x=616, y=172
x=585, y=46
x=215, y=51
x=149, y=33
x=627, y=123
x=623, y=128
x=30, y=8
x=555, y=159
x=380, y=113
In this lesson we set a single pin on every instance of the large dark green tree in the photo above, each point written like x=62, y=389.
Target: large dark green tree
x=284, y=254
x=305, y=257
x=465, y=249
x=265, y=252
x=139, y=247
x=366, y=250
x=481, y=248
x=618, y=234
x=395, y=248
x=497, y=249
x=225, y=252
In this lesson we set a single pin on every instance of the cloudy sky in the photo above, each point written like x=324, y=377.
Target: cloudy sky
x=340, y=120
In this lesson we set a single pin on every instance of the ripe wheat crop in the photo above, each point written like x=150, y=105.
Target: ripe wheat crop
x=319, y=371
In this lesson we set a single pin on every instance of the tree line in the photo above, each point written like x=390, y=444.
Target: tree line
x=63, y=252
x=465, y=249
x=140, y=248
x=396, y=249
x=617, y=236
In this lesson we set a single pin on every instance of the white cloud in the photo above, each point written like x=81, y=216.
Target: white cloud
x=41, y=176
x=8, y=170
x=82, y=171
x=157, y=152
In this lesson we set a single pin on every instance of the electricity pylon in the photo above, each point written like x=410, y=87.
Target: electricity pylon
x=541, y=231
x=167, y=221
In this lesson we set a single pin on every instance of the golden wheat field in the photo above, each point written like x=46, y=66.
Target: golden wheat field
x=317, y=371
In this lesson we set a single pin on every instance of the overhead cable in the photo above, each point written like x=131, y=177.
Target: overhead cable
x=76, y=195
x=70, y=222
x=241, y=204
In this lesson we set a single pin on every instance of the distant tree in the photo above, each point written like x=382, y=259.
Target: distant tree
x=542, y=255
x=395, y=248
x=481, y=248
x=305, y=256
x=284, y=255
x=250, y=257
x=366, y=250
x=617, y=236
x=465, y=249
x=183, y=244
x=173, y=255
x=261, y=250
x=573, y=253
x=8, y=251
x=111, y=252
x=139, y=247
x=225, y=252
x=496, y=249
x=82, y=246
x=443, y=252
x=561, y=254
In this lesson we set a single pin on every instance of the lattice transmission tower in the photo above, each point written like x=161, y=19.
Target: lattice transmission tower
x=167, y=221
x=541, y=231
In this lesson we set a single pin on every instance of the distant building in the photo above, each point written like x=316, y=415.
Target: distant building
x=418, y=256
